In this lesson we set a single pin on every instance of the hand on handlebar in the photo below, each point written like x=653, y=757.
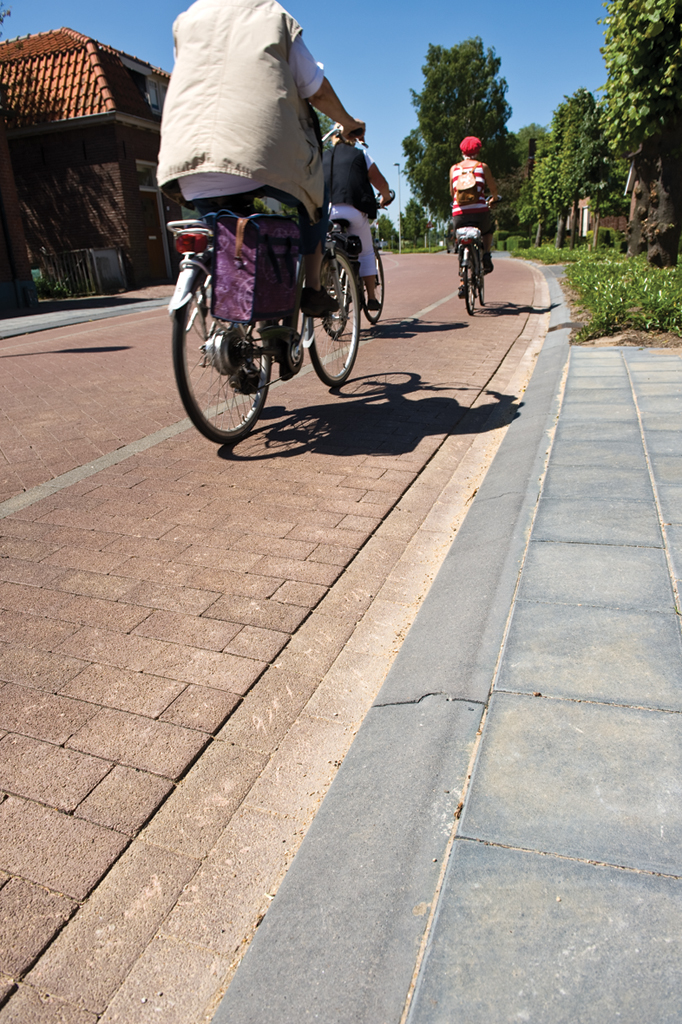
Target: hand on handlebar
x=494, y=200
x=354, y=129
x=387, y=201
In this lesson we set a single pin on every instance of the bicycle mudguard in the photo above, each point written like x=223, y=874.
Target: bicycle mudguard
x=308, y=332
x=184, y=288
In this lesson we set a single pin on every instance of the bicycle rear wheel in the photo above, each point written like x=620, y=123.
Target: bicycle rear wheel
x=374, y=314
x=481, y=283
x=221, y=376
x=469, y=282
x=337, y=335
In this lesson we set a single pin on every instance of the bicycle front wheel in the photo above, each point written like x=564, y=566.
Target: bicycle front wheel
x=469, y=282
x=374, y=314
x=481, y=284
x=337, y=335
x=221, y=376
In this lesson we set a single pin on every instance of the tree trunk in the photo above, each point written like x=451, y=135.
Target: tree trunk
x=560, y=231
x=538, y=235
x=574, y=223
x=655, y=223
x=595, y=232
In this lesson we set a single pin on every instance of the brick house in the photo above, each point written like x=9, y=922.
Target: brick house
x=17, y=290
x=84, y=139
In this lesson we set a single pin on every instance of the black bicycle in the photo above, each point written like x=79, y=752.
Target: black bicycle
x=223, y=369
x=470, y=256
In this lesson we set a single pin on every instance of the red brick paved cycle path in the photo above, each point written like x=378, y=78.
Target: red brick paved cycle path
x=154, y=648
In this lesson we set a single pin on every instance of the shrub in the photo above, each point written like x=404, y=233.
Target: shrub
x=515, y=242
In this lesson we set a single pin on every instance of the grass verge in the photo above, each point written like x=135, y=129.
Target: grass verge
x=617, y=292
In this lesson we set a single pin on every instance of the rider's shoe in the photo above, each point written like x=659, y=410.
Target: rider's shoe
x=487, y=263
x=373, y=305
x=317, y=303
x=462, y=292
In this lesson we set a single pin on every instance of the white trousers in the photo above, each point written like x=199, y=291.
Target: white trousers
x=359, y=225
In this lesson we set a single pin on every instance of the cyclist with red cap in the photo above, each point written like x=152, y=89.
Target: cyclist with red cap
x=468, y=181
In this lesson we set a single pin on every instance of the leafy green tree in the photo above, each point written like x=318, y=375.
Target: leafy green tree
x=463, y=94
x=385, y=229
x=643, y=55
x=414, y=222
x=4, y=13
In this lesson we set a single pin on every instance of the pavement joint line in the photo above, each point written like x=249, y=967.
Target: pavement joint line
x=654, y=486
x=435, y=899
x=562, y=698
x=562, y=856
x=18, y=502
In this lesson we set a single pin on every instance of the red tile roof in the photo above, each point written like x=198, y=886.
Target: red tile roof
x=57, y=75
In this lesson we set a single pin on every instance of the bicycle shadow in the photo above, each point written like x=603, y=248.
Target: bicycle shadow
x=376, y=416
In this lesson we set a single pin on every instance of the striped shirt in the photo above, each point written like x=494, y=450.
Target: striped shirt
x=480, y=203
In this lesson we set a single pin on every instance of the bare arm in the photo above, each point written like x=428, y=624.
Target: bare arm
x=490, y=182
x=452, y=187
x=380, y=184
x=326, y=100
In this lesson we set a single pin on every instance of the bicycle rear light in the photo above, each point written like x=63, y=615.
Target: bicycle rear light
x=191, y=241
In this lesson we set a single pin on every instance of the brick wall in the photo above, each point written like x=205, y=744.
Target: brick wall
x=13, y=216
x=78, y=188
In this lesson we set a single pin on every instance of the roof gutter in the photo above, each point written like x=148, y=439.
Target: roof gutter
x=86, y=121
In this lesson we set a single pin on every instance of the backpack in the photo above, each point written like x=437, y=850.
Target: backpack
x=466, y=190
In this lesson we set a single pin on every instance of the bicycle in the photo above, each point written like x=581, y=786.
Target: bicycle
x=469, y=243
x=350, y=245
x=223, y=369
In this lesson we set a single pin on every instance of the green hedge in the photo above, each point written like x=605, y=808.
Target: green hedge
x=516, y=242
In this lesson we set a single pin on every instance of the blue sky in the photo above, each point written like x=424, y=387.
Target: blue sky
x=373, y=50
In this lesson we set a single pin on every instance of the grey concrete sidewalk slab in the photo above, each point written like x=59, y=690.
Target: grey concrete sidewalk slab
x=596, y=654
x=528, y=938
x=670, y=500
x=667, y=469
x=623, y=577
x=597, y=481
x=610, y=454
x=597, y=521
x=372, y=856
x=582, y=780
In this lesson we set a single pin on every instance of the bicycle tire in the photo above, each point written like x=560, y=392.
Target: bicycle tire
x=373, y=315
x=469, y=282
x=481, y=282
x=337, y=335
x=217, y=409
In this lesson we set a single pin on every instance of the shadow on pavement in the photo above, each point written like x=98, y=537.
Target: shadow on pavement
x=375, y=418
x=68, y=351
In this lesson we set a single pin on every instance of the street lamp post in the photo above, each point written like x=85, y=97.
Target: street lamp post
x=400, y=214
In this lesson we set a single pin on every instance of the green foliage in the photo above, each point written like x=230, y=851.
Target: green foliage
x=326, y=125
x=4, y=13
x=643, y=55
x=49, y=289
x=516, y=242
x=548, y=254
x=619, y=292
x=386, y=230
x=414, y=222
x=462, y=95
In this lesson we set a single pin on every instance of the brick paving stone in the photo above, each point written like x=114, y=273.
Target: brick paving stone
x=6, y=988
x=37, y=668
x=153, y=570
x=226, y=896
x=40, y=714
x=29, y=1006
x=192, y=977
x=302, y=572
x=54, y=849
x=28, y=550
x=92, y=611
x=123, y=690
x=201, y=707
x=307, y=595
x=225, y=581
x=210, y=557
x=30, y=916
x=267, y=712
x=333, y=554
x=197, y=812
x=207, y=668
x=252, y=642
x=188, y=600
x=34, y=631
x=138, y=742
x=47, y=773
x=90, y=561
x=210, y=633
x=93, y=584
x=124, y=800
x=253, y=612
x=87, y=963
x=33, y=600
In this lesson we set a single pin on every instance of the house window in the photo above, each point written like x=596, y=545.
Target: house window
x=153, y=93
x=146, y=175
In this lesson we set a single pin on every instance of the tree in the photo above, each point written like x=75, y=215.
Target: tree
x=414, y=222
x=4, y=13
x=462, y=95
x=643, y=107
x=385, y=229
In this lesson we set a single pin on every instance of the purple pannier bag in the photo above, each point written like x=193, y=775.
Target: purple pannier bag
x=255, y=267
